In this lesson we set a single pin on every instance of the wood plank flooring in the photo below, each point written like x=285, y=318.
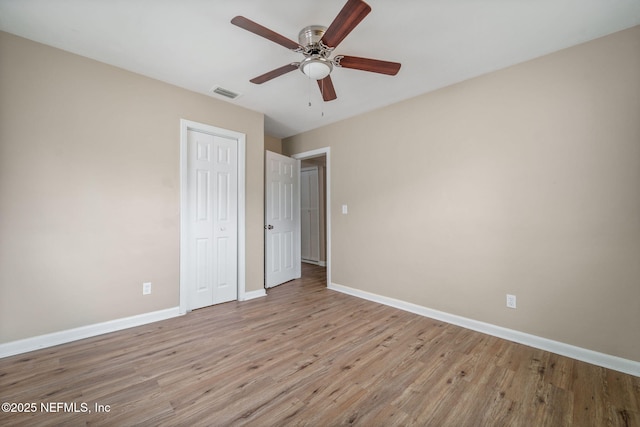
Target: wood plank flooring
x=308, y=356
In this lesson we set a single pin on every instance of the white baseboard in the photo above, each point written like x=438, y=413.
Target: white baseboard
x=600, y=359
x=56, y=338
x=254, y=294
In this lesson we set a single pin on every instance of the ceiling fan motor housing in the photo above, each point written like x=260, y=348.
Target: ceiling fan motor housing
x=309, y=37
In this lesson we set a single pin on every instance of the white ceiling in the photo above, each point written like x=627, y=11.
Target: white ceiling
x=191, y=43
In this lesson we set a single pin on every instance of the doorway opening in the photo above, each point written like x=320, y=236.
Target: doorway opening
x=315, y=209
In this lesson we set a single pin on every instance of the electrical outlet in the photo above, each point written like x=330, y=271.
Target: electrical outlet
x=511, y=301
x=146, y=288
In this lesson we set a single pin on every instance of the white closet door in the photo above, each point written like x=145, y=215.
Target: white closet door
x=213, y=212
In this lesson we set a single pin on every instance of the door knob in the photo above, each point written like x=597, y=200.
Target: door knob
x=268, y=227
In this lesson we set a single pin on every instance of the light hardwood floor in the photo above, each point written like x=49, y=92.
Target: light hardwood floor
x=306, y=355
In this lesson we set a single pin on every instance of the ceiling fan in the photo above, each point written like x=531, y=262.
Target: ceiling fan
x=317, y=43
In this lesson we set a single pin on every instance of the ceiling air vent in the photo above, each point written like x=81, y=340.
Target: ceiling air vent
x=224, y=92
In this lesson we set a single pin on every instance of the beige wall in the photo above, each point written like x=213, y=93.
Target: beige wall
x=522, y=181
x=273, y=144
x=89, y=189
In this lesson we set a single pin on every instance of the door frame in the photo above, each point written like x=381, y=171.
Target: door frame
x=326, y=151
x=185, y=126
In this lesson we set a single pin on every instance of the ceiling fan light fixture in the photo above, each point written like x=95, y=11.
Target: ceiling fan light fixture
x=316, y=68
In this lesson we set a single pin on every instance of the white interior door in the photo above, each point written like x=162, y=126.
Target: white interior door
x=213, y=219
x=282, y=225
x=309, y=215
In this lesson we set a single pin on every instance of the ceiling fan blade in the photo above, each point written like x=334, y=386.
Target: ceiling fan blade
x=268, y=34
x=326, y=89
x=349, y=17
x=275, y=73
x=368, y=64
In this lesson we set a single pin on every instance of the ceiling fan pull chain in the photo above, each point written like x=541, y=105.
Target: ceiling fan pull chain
x=322, y=93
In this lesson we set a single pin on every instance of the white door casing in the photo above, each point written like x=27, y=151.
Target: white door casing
x=282, y=223
x=212, y=216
